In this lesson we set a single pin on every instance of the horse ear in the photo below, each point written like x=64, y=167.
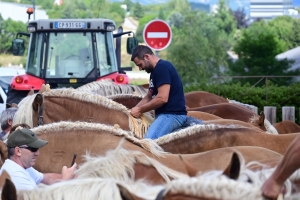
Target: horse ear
x=38, y=101
x=126, y=195
x=31, y=92
x=261, y=118
x=191, y=170
x=9, y=191
x=14, y=105
x=42, y=89
x=3, y=177
x=234, y=167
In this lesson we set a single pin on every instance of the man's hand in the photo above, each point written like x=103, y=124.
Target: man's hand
x=271, y=189
x=68, y=173
x=136, y=112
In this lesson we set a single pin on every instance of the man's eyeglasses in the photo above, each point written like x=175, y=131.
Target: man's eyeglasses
x=30, y=149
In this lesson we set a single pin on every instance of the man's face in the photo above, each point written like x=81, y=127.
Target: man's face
x=144, y=64
x=28, y=157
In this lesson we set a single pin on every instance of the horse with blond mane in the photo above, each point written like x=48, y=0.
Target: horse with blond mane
x=70, y=104
x=98, y=139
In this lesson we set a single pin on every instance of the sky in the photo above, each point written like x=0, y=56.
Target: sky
x=296, y=2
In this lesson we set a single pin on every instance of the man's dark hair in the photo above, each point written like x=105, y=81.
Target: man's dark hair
x=140, y=51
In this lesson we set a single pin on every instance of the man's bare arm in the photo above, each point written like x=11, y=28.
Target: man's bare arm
x=67, y=173
x=160, y=99
x=287, y=166
x=145, y=100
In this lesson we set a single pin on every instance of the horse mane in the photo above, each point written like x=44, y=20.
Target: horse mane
x=24, y=113
x=220, y=187
x=120, y=96
x=147, y=144
x=269, y=127
x=191, y=130
x=108, y=87
x=258, y=177
x=250, y=107
x=89, y=188
x=119, y=165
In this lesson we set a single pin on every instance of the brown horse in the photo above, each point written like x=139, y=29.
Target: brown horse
x=227, y=111
x=98, y=139
x=201, y=138
x=237, y=112
x=127, y=100
x=286, y=127
x=70, y=104
x=200, y=98
x=202, y=115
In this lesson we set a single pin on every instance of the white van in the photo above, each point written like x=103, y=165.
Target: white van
x=6, y=74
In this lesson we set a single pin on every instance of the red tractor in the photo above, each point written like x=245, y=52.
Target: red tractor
x=69, y=53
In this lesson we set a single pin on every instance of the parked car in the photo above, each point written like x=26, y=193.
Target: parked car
x=6, y=75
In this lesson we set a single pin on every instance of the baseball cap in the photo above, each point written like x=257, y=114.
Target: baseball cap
x=25, y=137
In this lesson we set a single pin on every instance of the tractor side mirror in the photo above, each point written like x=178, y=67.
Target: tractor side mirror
x=132, y=43
x=18, y=47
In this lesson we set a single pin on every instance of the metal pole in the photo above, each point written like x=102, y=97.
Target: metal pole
x=266, y=89
x=33, y=3
x=156, y=52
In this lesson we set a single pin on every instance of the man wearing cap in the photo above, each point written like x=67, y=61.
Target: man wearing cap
x=23, y=149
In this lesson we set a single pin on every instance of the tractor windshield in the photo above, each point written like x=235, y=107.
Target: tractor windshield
x=71, y=54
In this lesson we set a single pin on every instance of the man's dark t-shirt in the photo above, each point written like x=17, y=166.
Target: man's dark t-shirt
x=165, y=73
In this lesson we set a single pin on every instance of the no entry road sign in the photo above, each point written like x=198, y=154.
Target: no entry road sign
x=157, y=34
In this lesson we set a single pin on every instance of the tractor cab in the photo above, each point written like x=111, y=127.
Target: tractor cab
x=69, y=53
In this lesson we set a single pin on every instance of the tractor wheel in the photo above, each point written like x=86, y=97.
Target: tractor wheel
x=15, y=96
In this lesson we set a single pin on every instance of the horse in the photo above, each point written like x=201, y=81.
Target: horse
x=70, y=104
x=202, y=115
x=286, y=127
x=236, y=112
x=200, y=98
x=128, y=100
x=108, y=87
x=201, y=138
x=227, y=111
x=98, y=139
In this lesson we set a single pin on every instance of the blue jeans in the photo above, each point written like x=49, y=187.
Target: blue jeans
x=164, y=124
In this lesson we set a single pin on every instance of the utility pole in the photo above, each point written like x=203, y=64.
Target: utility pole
x=33, y=3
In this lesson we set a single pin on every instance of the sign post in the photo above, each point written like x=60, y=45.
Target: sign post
x=157, y=35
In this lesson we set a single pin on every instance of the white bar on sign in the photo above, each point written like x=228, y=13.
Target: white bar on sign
x=157, y=35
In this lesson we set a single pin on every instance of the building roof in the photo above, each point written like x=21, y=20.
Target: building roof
x=293, y=54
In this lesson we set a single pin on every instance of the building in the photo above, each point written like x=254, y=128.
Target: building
x=268, y=9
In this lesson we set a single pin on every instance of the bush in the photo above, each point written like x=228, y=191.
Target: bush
x=273, y=95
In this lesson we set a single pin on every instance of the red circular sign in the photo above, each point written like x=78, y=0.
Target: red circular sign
x=157, y=34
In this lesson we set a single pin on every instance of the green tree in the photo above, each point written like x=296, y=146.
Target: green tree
x=287, y=29
x=256, y=49
x=224, y=18
x=176, y=19
x=138, y=11
x=8, y=30
x=161, y=14
x=129, y=4
x=196, y=49
x=142, y=23
x=181, y=6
